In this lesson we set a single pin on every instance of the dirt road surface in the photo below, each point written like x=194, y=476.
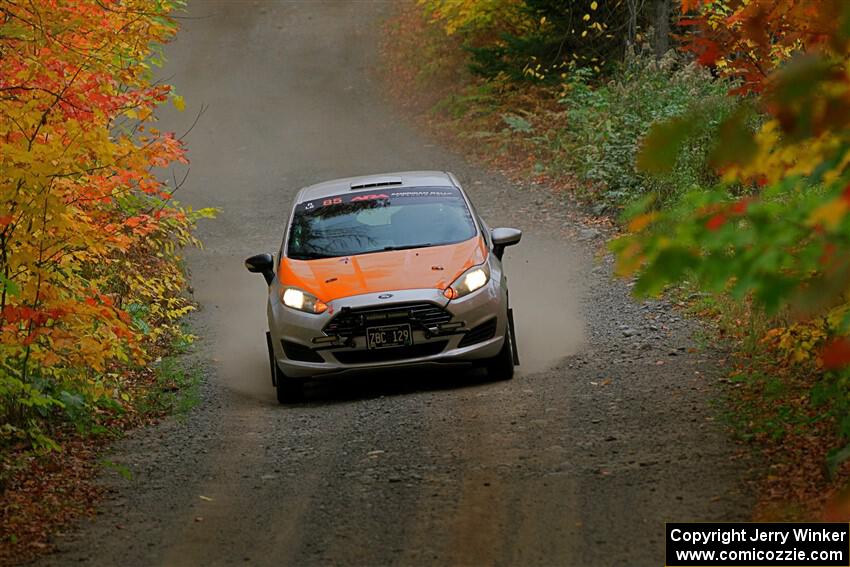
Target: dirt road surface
x=605, y=434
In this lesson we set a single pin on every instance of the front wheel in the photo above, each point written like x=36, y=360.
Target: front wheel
x=501, y=366
x=289, y=390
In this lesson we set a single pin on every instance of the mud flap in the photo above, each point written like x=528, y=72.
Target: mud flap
x=512, y=330
x=271, y=357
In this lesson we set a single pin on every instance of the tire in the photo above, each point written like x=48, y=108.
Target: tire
x=289, y=390
x=501, y=366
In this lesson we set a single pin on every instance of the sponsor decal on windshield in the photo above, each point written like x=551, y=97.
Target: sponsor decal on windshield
x=384, y=198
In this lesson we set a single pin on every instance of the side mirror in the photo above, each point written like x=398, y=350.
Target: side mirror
x=504, y=237
x=261, y=264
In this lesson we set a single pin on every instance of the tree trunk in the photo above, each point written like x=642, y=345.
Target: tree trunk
x=631, y=32
x=662, y=27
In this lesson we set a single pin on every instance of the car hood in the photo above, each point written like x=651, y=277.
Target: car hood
x=418, y=268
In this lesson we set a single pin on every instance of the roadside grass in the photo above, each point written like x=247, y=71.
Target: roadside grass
x=582, y=138
x=176, y=388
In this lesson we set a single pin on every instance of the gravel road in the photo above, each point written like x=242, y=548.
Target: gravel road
x=605, y=434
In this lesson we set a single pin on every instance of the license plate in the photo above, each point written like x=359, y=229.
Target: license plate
x=388, y=336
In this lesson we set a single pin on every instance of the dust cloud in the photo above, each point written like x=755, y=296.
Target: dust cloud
x=545, y=285
x=233, y=302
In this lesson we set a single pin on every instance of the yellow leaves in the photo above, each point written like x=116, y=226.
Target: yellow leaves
x=179, y=103
x=797, y=343
x=92, y=350
x=586, y=17
x=830, y=214
x=474, y=16
x=142, y=113
x=836, y=318
x=86, y=283
x=776, y=159
x=594, y=5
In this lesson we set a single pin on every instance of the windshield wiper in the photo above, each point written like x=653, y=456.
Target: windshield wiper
x=310, y=256
x=408, y=247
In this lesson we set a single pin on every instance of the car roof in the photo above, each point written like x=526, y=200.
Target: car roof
x=398, y=179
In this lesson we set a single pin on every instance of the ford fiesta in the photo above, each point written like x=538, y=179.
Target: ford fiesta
x=386, y=271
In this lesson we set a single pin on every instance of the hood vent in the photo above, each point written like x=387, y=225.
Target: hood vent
x=376, y=183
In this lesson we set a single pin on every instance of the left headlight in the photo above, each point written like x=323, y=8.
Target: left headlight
x=472, y=279
x=301, y=300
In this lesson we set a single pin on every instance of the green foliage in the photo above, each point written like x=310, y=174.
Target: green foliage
x=784, y=246
x=475, y=100
x=518, y=123
x=537, y=39
x=606, y=122
x=740, y=252
x=177, y=388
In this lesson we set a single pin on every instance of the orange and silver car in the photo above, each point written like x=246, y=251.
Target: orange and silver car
x=386, y=271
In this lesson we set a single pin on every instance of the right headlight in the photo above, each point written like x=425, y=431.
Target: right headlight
x=472, y=279
x=301, y=300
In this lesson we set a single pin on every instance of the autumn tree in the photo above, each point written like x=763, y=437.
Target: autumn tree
x=776, y=230
x=89, y=234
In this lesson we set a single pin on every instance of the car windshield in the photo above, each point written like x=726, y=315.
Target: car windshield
x=361, y=223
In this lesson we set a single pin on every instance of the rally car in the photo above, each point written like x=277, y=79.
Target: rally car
x=386, y=271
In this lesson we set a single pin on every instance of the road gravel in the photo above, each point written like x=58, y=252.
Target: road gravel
x=605, y=434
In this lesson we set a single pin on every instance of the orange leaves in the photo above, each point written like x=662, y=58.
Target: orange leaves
x=688, y=5
x=84, y=216
x=640, y=222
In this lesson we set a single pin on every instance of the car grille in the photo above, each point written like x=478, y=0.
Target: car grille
x=295, y=351
x=386, y=354
x=482, y=332
x=354, y=322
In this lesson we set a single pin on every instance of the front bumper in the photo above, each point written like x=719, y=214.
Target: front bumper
x=484, y=312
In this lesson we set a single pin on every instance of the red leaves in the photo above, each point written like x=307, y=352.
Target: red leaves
x=16, y=314
x=716, y=222
x=758, y=35
x=718, y=214
x=740, y=208
x=836, y=354
x=709, y=53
